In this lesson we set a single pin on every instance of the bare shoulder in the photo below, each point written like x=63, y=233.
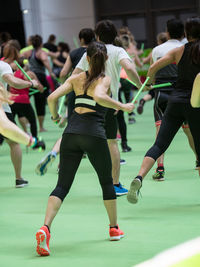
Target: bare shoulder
x=106, y=80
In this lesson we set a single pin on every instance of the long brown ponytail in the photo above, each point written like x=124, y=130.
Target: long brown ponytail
x=97, y=53
x=192, y=28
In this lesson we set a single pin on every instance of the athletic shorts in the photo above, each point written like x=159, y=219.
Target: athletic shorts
x=11, y=118
x=111, y=124
x=160, y=105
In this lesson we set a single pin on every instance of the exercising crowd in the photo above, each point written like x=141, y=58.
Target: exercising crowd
x=95, y=78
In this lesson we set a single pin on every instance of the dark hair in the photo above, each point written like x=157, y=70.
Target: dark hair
x=106, y=31
x=51, y=38
x=10, y=52
x=192, y=29
x=97, y=53
x=64, y=47
x=4, y=37
x=36, y=41
x=175, y=27
x=87, y=35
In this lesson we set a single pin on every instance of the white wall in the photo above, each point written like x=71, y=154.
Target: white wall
x=64, y=18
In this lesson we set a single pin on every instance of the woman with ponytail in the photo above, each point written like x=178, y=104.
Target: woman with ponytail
x=179, y=108
x=84, y=133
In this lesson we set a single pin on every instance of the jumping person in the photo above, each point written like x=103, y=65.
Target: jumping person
x=117, y=58
x=91, y=89
x=179, y=108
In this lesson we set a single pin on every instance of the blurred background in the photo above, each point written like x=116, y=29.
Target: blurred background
x=64, y=18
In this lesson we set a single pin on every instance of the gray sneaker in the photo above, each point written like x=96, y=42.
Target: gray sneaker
x=44, y=164
x=133, y=192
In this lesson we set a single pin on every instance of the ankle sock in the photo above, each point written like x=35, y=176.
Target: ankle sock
x=116, y=185
x=139, y=177
x=116, y=227
x=47, y=227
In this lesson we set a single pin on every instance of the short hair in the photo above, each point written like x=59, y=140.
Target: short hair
x=51, y=38
x=162, y=37
x=64, y=47
x=87, y=34
x=106, y=31
x=175, y=28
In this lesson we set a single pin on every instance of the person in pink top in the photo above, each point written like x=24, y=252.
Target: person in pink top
x=22, y=106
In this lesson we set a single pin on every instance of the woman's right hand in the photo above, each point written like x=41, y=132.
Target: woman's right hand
x=128, y=107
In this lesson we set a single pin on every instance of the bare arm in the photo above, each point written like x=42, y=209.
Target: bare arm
x=66, y=69
x=64, y=89
x=195, y=97
x=130, y=69
x=11, y=131
x=77, y=71
x=16, y=82
x=102, y=98
x=44, y=58
x=34, y=77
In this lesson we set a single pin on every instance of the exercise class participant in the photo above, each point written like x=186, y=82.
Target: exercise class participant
x=179, y=108
x=91, y=89
x=117, y=58
x=86, y=36
x=7, y=77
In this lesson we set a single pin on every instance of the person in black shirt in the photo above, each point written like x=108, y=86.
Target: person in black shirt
x=92, y=90
x=50, y=44
x=179, y=108
x=86, y=36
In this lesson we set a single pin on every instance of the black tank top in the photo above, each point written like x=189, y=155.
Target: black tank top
x=187, y=72
x=89, y=123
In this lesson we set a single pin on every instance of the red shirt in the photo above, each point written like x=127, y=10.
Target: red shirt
x=21, y=95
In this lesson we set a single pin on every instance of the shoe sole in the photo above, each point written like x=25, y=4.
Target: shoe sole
x=21, y=185
x=116, y=238
x=42, y=248
x=132, y=195
x=47, y=162
x=158, y=179
x=122, y=163
x=121, y=194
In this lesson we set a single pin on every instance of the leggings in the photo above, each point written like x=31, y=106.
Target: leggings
x=174, y=116
x=121, y=122
x=71, y=152
x=41, y=98
x=25, y=110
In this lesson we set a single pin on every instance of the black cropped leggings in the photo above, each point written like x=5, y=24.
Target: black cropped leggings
x=71, y=152
x=174, y=116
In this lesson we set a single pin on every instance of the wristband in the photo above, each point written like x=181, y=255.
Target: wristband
x=32, y=86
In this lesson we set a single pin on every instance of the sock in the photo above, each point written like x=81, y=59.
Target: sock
x=139, y=177
x=116, y=227
x=47, y=227
x=54, y=153
x=116, y=185
x=160, y=167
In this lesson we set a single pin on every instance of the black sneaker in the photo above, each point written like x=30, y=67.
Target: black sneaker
x=197, y=165
x=122, y=161
x=40, y=145
x=125, y=147
x=21, y=183
x=141, y=106
x=159, y=174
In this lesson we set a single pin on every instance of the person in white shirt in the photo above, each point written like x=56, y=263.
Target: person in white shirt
x=7, y=77
x=117, y=58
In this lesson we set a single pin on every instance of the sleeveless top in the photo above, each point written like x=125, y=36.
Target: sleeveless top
x=187, y=72
x=20, y=95
x=36, y=65
x=89, y=123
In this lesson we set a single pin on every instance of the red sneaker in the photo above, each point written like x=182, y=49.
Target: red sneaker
x=43, y=237
x=115, y=234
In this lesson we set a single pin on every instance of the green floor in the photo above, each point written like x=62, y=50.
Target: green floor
x=166, y=215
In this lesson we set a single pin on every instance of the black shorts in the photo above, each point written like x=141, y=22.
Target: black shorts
x=11, y=118
x=160, y=105
x=111, y=124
